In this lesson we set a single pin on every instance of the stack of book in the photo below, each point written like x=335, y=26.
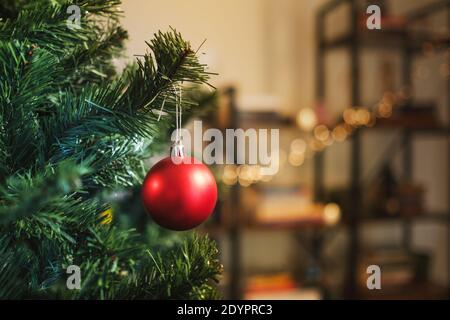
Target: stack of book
x=292, y=207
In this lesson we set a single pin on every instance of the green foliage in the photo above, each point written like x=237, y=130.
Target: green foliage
x=72, y=133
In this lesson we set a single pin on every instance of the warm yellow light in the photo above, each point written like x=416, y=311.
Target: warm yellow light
x=329, y=141
x=296, y=159
x=362, y=117
x=331, y=213
x=245, y=172
x=244, y=182
x=229, y=182
x=321, y=133
x=244, y=175
x=230, y=174
x=384, y=110
x=356, y=116
x=372, y=121
x=316, y=145
x=339, y=133
x=230, y=170
x=348, y=128
x=255, y=173
x=389, y=98
x=349, y=116
x=306, y=119
x=298, y=146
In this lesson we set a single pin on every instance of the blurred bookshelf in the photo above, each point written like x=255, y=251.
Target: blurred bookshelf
x=409, y=42
x=408, y=279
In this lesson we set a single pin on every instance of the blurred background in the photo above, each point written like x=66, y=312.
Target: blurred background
x=364, y=141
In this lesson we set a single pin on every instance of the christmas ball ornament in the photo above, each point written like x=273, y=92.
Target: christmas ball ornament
x=178, y=193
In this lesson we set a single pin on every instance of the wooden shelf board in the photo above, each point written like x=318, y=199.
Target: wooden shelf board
x=424, y=290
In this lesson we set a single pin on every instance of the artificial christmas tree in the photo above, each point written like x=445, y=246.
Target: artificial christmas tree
x=73, y=136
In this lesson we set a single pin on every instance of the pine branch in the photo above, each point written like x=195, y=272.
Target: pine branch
x=11, y=8
x=45, y=27
x=23, y=195
x=85, y=53
x=99, y=119
x=10, y=275
x=91, y=63
x=187, y=271
x=45, y=23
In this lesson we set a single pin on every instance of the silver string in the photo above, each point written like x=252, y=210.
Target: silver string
x=161, y=110
x=178, y=112
x=180, y=109
x=176, y=122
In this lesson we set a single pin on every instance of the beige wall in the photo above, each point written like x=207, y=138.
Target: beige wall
x=264, y=47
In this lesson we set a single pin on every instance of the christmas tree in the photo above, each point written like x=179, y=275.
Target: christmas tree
x=74, y=135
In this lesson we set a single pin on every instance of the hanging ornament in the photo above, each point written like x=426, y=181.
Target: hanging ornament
x=178, y=192
x=179, y=196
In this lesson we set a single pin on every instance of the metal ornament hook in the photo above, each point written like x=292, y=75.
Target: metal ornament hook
x=177, y=149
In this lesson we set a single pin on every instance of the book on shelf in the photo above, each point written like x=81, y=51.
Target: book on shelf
x=291, y=207
x=278, y=286
x=399, y=268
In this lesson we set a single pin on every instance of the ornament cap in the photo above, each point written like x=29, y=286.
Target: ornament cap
x=177, y=149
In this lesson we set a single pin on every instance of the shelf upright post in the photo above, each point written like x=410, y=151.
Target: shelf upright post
x=234, y=232
x=320, y=93
x=355, y=169
x=407, y=177
x=407, y=143
x=448, y=171
x=319, y=156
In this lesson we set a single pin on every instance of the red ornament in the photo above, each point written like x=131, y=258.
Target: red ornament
x=179, y=196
